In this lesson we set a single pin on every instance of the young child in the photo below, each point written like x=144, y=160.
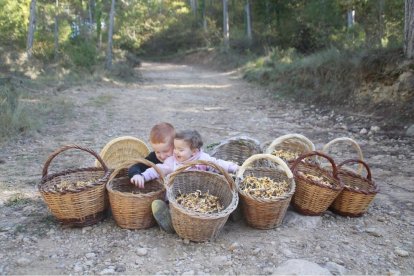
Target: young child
x=162, y=141
x=187, y=148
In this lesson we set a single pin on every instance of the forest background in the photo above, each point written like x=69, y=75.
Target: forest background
x=355, y=54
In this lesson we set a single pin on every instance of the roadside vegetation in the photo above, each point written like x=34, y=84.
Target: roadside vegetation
x=335, y=52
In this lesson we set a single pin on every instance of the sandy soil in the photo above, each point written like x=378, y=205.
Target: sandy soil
x=219, y=105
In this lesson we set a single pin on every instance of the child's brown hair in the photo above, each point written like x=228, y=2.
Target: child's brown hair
x=192, y=137
x=162, y=133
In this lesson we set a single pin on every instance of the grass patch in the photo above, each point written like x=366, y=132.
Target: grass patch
x=101, y=100
x=17, y=199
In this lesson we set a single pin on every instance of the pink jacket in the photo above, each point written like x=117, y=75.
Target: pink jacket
x=171, y=164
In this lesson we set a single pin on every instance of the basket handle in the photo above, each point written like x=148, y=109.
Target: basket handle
x=283, y=138
x=65, y=148
x=271, y=157
x=360, y=162
x=131, y=162
x=318, y=153
x=202, y=162
x=353, y=143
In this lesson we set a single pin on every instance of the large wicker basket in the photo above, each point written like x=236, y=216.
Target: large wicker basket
x=264, y=213
x=121, y=150
x=358, y=192
x=78, y=207
x=336, y=148
x=130, y=205
x=313, y=197
x=192, y=225
x=236, y=149
x=293, y=143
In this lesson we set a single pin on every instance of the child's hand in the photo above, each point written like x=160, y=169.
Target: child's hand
x=138, y=180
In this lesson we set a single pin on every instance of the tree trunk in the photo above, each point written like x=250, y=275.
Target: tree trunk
x=56, y=31
x=32, y=27
x=108, y=64
x=248, y=21
x=203, y=3
x=351, y=18
x=409, y=29
x=226, y=34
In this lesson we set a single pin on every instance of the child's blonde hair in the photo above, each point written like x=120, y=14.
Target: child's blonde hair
x=162, y=133
x=192, y=137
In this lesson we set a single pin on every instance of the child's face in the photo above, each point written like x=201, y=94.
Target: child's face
x=182, y=150
x=163, y=150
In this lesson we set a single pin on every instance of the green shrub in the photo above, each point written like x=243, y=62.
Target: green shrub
x=82, y=53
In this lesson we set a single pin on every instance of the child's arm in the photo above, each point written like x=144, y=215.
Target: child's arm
x=228, y=166
x=139, y=168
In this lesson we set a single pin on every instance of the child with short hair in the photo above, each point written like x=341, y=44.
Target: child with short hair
x=187, y=148
x=161, y=139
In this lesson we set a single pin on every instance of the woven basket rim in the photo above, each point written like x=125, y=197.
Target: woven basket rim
x=138, y=143
x=371, y=183
x=236, y=139
x=98, y=182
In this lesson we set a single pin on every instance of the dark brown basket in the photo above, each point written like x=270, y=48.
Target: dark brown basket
x=263, y=213
x=313, y=198
x=358, y=191
x=130, y=205
x=81, y=206
x=192, y=225
x=236, y=149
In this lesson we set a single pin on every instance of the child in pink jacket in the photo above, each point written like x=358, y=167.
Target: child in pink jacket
x=187, y=148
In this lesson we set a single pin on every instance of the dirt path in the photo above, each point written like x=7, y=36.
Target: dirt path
x=219, y=105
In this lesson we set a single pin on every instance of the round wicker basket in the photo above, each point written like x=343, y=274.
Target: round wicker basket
x=130, y=205
x=121, y=150
x=358, y=192
x=337, y=145
x=76, y=207
x=313, y=197
x=236, y=149
x=192, y=225
x=295, y=144
x=264, y=213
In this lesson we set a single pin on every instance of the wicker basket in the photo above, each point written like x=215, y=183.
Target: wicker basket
x=81, y=206
x=358, y=191
x=236, y=149
x=294, y=143
x=263, y=213
x=312, y=197
x=130, y=205
x=192, y=225
x=121, y=150
x=334, y=145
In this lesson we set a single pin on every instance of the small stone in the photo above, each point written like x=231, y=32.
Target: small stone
x=120, y=268
x=257, y=251
x=373, y=232
x=363, y=131
x=142, y=252
x=186, y=241
x=90, y=255
x=23, y=261
x=401, y=252
x=78, y=268
x=234, y=246
x=107, y=271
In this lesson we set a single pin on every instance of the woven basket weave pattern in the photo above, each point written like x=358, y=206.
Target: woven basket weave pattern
x=81, y=207
x=131, y=206
x=263, y=213
x=310, y=197
x=199, y=226
x=354, y=202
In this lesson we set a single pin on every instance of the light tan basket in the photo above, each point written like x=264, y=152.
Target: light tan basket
x=311, y=197
x=358, y=192
x=295, y=143
x=130, y=205
x=81, y=206
x=263, y=213
x=236, y=149
x=330, y=146
x=192, y=225
x=121, y=150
